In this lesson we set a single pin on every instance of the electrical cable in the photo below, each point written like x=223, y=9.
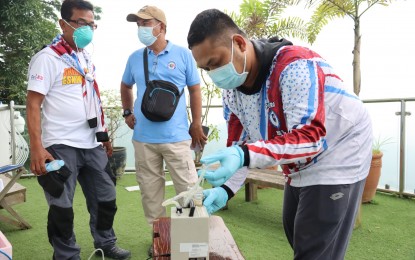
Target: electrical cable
x=93, y=252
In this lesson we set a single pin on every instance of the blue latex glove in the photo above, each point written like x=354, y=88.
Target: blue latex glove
x=215, y=199
x=231, y=159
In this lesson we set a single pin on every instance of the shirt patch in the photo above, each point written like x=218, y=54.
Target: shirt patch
x=37, y=77
x=71, y=76
x=171, y=65
x=273, y=119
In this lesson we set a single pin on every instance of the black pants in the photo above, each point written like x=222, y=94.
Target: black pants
x=318, y=220
x=88, y=167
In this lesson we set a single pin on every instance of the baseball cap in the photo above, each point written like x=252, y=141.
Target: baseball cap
x=148, y=12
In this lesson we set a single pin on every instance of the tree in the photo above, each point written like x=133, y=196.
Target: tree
x=264, y=19
x=25, y=27
x=209, y=93
x=326, y=10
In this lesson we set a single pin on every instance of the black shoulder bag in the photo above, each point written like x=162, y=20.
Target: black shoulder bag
x=160, y=98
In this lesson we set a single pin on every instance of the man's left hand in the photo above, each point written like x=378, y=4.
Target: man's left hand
x=199, y=139
x=231, y=159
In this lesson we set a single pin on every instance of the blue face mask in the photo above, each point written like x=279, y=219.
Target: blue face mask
x=145, y=35
x=82, y=36
x=226, y=77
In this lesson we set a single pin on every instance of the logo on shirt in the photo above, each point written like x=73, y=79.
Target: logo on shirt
x=71, y=76
x=37, y=77
x=171, y=65
x=273, y=119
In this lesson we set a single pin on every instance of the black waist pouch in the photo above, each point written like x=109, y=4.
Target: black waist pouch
x=53, y=181
x=160, y=100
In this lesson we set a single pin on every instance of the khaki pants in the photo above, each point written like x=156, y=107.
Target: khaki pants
x=151, y=176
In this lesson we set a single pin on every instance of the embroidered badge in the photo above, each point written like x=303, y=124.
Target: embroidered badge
x=171, y=65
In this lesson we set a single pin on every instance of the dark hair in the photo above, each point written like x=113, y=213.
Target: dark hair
x=68, y=6
x=211, y=23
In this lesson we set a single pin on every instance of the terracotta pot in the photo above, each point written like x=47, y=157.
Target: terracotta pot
x=372, y=179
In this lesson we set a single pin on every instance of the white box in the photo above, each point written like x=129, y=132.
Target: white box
x=189, y=236
x=5, y=247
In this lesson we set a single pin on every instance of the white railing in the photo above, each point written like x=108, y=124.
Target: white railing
x=380, y=122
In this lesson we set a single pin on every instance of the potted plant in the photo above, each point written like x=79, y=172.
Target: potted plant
x=111, y=100
x=209, y=93
x=373, y=177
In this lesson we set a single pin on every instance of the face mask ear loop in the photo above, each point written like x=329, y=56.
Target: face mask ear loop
x=93, y=49
x=244, y=62
x=244, y=58
x=153, y=29
x=76, y=45
x=232, y=52
x=74, y=41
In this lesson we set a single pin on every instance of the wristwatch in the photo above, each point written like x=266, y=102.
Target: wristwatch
x=126, y=113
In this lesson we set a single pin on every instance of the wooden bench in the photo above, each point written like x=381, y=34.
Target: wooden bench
x=13, y=193
x=262, y=178
x=221, y=243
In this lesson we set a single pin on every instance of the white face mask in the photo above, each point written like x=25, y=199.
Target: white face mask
x=226, y=77
x=145, y=35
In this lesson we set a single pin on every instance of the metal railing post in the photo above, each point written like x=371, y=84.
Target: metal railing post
x=402, y=113
x=13, y=132
x=402, y=133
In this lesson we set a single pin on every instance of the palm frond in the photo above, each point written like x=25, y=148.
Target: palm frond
x=290, y=27
x=321, y=16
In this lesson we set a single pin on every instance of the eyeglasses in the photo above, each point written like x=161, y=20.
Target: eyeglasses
x=82, y=22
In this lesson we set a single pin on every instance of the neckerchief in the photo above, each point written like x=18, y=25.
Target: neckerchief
x=90, y=90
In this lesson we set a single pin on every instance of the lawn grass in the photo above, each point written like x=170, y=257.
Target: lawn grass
x=387, y=231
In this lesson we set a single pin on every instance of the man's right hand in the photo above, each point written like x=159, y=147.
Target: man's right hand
x=215, y=199
x=130, y=121
x=38, y=157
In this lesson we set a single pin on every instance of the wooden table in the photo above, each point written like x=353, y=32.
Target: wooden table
x=222, y=246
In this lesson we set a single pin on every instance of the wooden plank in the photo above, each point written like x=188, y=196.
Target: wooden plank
x=13, y=193
x=264, y=178
x=251, y=191
x=16, y=194
x=221, y=243
x=161, y=239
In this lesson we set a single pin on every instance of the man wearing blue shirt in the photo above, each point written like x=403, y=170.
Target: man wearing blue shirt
x=169, y=140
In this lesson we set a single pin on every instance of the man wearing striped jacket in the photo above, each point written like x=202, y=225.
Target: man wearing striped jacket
x=285, y=105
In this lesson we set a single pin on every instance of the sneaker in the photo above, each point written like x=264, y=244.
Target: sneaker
x=114, y=252
x=150, y=251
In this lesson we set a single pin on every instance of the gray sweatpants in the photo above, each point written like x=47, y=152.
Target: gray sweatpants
x=89, y=167
x=318, y=220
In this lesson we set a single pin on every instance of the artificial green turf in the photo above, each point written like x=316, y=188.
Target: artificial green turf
x=387, y=231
